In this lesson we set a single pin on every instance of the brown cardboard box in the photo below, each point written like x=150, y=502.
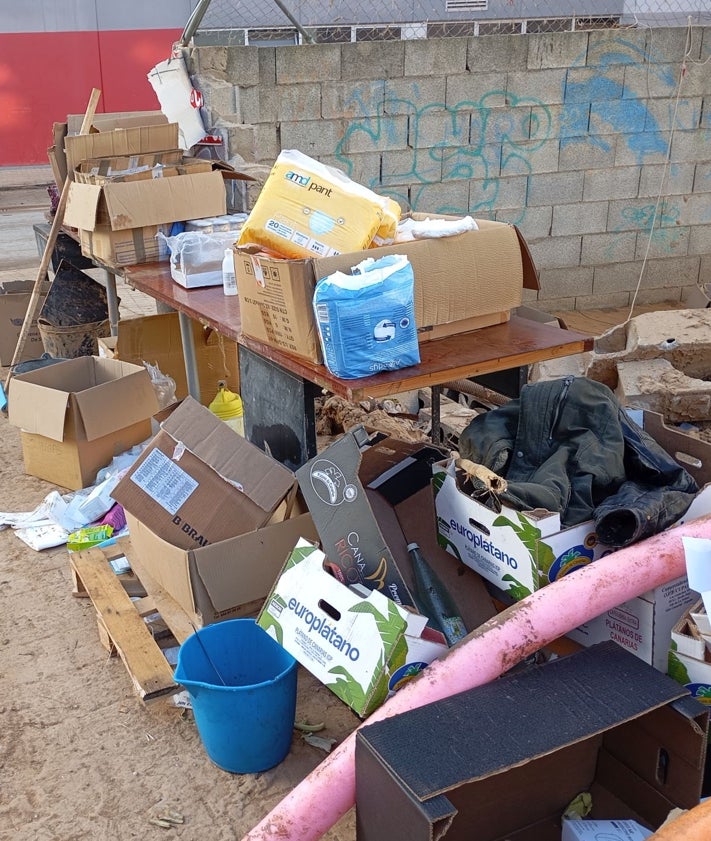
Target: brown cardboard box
x=129, y=167
x=14, y=299
x=370, y=496
x=75, y=416
x=134, y=140
x=504, y=760
x=211, y=515
x=228, y=579
x=133, y=211
x=156, y=339
x=462, y=283
x=199, y=482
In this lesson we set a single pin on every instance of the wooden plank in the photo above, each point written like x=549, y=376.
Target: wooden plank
x=172, y=614
x=150, y=672
x=33, y=304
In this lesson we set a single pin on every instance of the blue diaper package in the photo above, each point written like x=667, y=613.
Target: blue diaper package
x=366, y=320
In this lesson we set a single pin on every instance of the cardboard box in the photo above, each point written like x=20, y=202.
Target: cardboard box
x=117, y=141
x=229, y=579
x=199, y=482
x=519, y=552
x=14, y=299
x=129, y=167
x=462, y=283
x=689, y=658
x=134, y=211
x=369, y=496
x=504, y=760
x=642, y=625
x=116, y=119
x=360, y=645
x=156, y=339
x=75, y=416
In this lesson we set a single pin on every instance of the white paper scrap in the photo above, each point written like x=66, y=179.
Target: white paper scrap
x=697, y=551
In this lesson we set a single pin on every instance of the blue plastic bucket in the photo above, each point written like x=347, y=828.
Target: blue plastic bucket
x=245, y=723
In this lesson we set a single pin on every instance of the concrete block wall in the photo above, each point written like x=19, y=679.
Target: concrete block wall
x=596, y=144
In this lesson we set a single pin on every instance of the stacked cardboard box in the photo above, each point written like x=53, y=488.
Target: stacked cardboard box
x=462, y=282
x=128, y=184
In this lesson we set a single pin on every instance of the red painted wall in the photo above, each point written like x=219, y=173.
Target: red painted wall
x=46, y=75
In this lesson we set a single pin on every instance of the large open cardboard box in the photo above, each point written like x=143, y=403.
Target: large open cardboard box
x=210, y=515
x=504, y=760
x=369, y=496
x=119, y=221
x=462, y=282
x=156, y=339
x=75, y=416
x=14, y=299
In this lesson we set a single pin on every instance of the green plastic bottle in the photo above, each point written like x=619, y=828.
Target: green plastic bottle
x=433, y=599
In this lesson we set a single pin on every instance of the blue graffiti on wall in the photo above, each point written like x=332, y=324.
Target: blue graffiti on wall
x=485, y=139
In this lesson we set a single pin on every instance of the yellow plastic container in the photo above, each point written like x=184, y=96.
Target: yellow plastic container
x=227, y=405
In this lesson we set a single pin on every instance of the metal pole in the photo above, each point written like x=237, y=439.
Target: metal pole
x=304, y=34
x=193, y=22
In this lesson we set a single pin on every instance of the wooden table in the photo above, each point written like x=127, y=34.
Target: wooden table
x=278, y=388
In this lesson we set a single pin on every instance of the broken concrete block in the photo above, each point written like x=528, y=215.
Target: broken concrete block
x=656, y=385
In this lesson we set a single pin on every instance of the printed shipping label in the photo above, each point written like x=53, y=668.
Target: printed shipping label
x=164, y=481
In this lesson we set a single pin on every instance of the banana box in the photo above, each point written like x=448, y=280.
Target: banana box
x=359, y=644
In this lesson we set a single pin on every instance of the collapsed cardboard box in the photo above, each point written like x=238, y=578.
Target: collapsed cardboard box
x=462, y=282
x=118, y=222
x=504, y=760
x=369, y=496
x=14, y=299
x=156, y=339
x=75, y=416
x=210, y=515
x=358, y=643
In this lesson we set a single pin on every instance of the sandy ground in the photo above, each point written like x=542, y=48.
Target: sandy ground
x=81, y=756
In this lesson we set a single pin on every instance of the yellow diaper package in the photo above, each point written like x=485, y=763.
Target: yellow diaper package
x=309, y=209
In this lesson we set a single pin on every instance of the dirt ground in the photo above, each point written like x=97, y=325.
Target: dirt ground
x=81, y=756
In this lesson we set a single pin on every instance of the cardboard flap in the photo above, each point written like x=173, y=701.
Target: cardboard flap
x=38, y=409
x=122, y=399
x=139, y=204
x=592, y=694
x=82, y=206
x=263, y=479
x=230, y=575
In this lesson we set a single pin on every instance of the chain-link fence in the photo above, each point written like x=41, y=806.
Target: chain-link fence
x=294, y=22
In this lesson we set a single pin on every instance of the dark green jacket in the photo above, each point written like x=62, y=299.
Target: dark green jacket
x=567, y=445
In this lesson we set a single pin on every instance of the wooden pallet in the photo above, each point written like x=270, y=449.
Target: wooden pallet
x=120, y=619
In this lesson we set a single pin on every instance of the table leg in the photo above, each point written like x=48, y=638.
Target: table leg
x=435, y=394
x=186, y=337
x=112, y=301
x=279, y=412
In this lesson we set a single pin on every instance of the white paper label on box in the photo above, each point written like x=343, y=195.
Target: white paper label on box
x=164, y=481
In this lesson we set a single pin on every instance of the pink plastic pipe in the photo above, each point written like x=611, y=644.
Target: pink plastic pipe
x=322, y=798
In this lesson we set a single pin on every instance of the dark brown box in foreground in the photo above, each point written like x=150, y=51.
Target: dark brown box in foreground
x=503, y=761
